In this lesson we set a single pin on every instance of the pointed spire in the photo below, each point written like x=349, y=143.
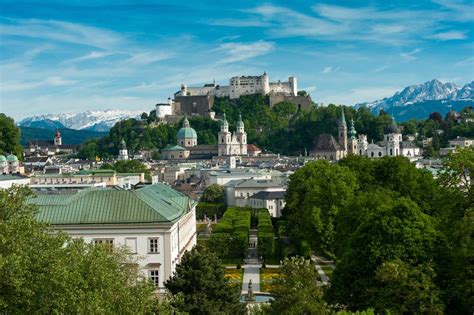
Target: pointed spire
x=352, y=131
x=343, y=118
x=224, y=120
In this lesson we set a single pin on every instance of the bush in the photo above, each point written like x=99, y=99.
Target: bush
x=230, y=237
x=266, y=235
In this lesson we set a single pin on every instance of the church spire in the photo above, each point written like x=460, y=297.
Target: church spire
x=343, y=118
x=352, y=131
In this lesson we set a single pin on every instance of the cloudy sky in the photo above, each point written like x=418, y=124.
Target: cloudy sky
x=70, y=56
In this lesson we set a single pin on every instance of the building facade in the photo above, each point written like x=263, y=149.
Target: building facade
x=232, y=143
x=243, y=85
x=156, y=223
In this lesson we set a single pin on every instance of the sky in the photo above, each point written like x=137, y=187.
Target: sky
x=72, y=56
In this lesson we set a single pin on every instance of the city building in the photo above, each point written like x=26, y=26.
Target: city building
x=243, y=85
x=232, y=143
x=123, y=152
x=238, y=192
x=9, y=164
x=273, y=201
x=156, y=223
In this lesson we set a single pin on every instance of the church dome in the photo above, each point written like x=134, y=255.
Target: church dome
x=12, y=158
x=186, y=132
x=224, y=121
x=393, y=128
x=2, y=158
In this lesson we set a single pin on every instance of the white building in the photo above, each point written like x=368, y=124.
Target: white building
x=232, y=143
x=164, y=109
x=238, y=192
x=243, y=85
x=156, y=223
x=8, y=180
x=123, y=152
x=273, y=201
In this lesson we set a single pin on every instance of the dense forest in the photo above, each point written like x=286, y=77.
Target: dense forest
x=281, y=129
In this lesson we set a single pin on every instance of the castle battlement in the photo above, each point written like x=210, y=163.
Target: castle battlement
x=243, y=85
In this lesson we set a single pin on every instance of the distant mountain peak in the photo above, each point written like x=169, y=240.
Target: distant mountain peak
x=96, y=120
x=418, y=101
x=428, y=91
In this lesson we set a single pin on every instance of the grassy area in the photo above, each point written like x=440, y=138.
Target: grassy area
x=267, y=277
x=235, y=275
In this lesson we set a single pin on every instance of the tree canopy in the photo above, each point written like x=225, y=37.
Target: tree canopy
x=9, y=137
x=47, y=272
x=199, y=279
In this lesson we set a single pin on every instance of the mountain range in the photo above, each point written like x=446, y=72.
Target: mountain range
x=418, y=101
x=89, y=120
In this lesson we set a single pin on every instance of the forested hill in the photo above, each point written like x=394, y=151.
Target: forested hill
x=69, y=136
x=281, y=129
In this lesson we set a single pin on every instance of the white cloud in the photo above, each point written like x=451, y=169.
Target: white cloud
x=146, y=58
x=468, y=61
x=330, y=69
x=450, y=35
x=62, y=32
x=91, y=56
x=236, y=52
x=411, y=55
x=239, y=22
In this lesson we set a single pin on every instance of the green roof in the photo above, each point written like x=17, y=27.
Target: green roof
x=12, y=157
x=186, y=132
x=94, y=172
x=2, y=158
x=174, y=148
x=157, y=203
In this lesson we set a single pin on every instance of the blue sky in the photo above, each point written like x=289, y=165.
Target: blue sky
x=70, y=56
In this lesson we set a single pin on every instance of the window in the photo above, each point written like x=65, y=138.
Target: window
x=106, y=241
x=155, y=277
x=372, y=154
x=380, y=153
x=131, y=244
x=153, y=247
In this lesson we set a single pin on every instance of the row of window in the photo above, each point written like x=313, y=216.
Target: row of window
x=131, y=243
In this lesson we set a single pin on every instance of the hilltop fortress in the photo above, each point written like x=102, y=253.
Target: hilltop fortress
x=242, y=85
x=199, y=100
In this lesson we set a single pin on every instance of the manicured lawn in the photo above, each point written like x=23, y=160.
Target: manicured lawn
x=267, y=276
x=234, y=275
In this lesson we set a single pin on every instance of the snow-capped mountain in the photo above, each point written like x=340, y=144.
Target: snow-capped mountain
x=418, y=101
x=429, y=91
x=89, y=120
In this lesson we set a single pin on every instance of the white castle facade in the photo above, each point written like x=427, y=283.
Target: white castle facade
x=243, y=85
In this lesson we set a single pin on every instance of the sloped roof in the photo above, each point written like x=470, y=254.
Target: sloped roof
x=326, y=142
x=157, y=203
x=174, y=148
x=253, y=147
x=269, y=195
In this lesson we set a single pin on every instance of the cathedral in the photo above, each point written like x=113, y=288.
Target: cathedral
x=326, y=147
x=232, y=143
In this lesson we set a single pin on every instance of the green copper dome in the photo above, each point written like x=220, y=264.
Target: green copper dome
x=186, y=132
x=12, y=158
x=2, y=158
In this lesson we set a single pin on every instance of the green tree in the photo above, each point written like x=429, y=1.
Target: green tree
x=47, y=272
x=395, y=229
x=315, y=194
x=213, y=193
x=297, y=290
x=9, y=137
x=199, y=278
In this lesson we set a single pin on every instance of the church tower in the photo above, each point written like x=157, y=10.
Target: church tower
x=123, y=152
x=241, y=136
x=224, y=138
x=343, y=133
x=57, y=139
x=352, y=139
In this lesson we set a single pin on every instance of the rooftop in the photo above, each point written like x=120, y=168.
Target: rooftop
x=157, y=203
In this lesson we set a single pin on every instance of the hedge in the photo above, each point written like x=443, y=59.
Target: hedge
x=266, y=235
x=230, y=237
